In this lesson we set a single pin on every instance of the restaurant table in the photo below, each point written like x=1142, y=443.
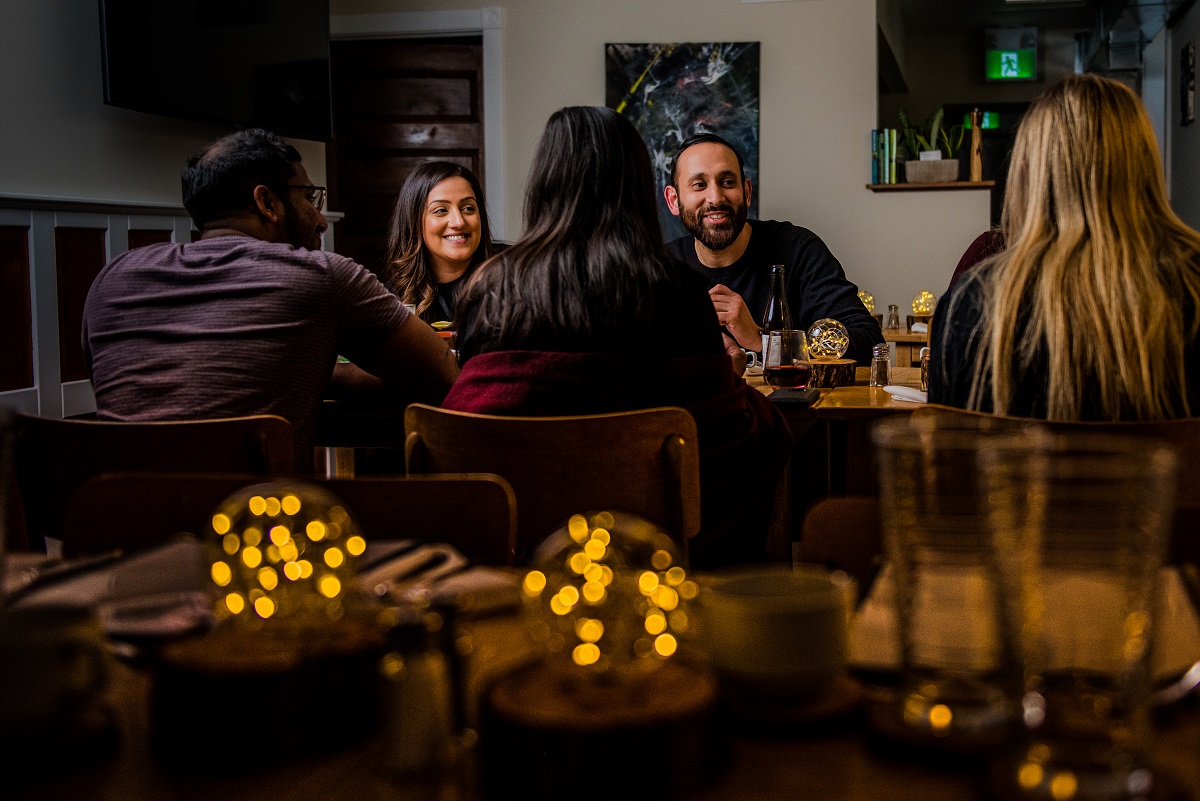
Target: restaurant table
x=834, y=760
x=833, y=454
x=906, y=345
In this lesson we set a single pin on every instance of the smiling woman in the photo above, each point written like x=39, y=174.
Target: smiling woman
x=439, y=234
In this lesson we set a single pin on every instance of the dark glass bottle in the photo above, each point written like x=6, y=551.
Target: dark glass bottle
x=777, y=317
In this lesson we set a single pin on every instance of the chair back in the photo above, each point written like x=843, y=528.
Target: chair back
x=1182, y=434
x=646, y=462
x=476, y=513
x=53, y=457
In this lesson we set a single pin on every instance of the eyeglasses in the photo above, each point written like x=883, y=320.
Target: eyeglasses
x=315, y=194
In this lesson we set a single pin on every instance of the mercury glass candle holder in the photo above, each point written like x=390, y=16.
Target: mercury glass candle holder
x=608, y=596
x=283, y=556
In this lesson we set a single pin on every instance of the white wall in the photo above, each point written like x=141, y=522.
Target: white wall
x=57, y=137
x=818, y=105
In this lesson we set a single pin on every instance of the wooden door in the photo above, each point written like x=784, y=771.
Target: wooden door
x=397, y=103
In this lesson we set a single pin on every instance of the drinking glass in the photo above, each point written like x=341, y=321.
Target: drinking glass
x=785, y=362
x=958, y=674
x=1080, y=528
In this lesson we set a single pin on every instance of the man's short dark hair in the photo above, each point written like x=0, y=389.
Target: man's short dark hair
x=219, y=181
x=699, y=139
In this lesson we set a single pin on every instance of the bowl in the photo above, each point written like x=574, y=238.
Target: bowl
x=774, y=632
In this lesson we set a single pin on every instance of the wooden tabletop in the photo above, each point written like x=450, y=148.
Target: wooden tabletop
x=860, y=400
x=904, y=335
x=833, y=759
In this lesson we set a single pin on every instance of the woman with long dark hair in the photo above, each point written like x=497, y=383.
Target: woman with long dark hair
x=588, y=313
x=438, y=236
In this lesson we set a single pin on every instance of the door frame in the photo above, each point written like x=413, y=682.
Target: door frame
x=485, y=22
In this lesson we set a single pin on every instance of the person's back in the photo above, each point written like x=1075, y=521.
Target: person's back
x=1092, y=311
x=588, y=314
x=226, y=327
x=250, y=319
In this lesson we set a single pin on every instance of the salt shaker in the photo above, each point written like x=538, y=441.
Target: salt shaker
x=893, y=318
x=924, y=369
x=881, y=366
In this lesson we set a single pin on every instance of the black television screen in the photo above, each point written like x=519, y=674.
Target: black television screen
x=243, y=62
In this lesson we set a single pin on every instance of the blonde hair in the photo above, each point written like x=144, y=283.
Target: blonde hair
x=1100, y=278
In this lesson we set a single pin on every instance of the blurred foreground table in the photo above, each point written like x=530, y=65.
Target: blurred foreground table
x=834, y=760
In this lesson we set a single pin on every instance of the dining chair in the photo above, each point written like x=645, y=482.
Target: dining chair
x=476, y=513
x=844, y=532
x=1182, y=434
x=646, y=462
x=53, y=457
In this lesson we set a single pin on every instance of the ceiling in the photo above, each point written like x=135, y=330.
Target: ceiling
x=960, y=15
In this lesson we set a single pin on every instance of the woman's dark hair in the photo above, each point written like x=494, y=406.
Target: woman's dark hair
x=218, y=182
x=592, y=248
x=408, y=269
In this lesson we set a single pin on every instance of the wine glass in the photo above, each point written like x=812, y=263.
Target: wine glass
x=786, y=359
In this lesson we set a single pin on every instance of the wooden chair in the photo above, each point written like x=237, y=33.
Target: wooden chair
x=646, y=462
x=53, y=457
x=1183, y=435
x=476, y=513
x=845, y=532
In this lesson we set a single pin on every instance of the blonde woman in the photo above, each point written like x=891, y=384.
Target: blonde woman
x=1092, y=312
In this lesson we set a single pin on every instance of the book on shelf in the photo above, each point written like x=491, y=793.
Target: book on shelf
x=875, y=156
x=892, y=162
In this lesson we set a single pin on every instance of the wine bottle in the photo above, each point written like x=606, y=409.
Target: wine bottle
x=778, y=317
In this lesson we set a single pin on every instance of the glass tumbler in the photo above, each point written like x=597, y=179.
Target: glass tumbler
x=1080, y=526
x=958, y=673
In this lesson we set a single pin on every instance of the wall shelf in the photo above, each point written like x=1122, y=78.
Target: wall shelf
x=931, y=187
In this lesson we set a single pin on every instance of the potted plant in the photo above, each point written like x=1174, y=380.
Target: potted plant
x=930, y=149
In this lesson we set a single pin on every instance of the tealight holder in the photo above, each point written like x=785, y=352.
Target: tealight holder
x=924, y=302
x=609, y=602
x=828, y=339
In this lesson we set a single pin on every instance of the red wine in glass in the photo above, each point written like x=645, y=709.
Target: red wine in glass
x=787, y=375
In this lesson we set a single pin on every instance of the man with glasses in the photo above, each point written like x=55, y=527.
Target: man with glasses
x=250, y=319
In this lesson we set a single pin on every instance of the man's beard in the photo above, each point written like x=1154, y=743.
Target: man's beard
x=715, y=237
x=300, y=235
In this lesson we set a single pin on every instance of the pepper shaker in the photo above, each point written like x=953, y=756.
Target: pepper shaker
x=893, y=318
x=881, y=366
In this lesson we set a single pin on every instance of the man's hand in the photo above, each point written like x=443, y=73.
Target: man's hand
x=736, y=355
x=733, y=314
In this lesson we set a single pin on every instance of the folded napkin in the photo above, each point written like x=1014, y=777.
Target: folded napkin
x=166, y=591
x=919, y=328
x=905, y=394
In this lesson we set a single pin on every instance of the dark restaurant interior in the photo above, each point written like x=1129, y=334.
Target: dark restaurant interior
x=696, y=399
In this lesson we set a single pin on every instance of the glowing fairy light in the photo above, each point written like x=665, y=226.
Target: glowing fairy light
x=286, y=555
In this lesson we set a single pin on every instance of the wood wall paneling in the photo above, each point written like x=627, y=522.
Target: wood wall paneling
x=16, y=310
x=140, y=237
x=80, y=254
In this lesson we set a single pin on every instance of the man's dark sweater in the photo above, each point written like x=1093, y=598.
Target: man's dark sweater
x=817, y=286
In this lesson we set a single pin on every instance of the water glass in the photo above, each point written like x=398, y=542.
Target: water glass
x=786, y=361
x=958, y=672
x=1080, y=526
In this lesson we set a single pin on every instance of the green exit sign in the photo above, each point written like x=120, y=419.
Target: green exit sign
x=1010, y=65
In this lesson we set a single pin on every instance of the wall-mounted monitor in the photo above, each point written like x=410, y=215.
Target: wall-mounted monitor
x=1010, y=54
x=241, y=62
